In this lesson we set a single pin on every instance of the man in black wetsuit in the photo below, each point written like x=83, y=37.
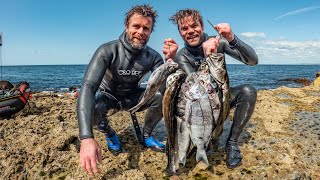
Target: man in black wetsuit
x=198, y=45
x=112, y=82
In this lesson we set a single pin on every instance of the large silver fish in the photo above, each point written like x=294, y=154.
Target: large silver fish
x=218, y=70
x=202, y=104
x=173, y=85
x=202, y=109
x=155, y=81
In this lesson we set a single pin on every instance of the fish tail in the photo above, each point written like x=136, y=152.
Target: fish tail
x=202, y=156
x=183, y=160
x=171, y=168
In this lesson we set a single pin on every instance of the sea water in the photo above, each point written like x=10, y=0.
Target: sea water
x=59, y=78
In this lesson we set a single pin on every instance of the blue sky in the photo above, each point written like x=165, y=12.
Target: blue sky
x=69, y=31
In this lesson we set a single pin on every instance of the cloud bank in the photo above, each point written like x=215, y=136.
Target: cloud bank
x=283, y=51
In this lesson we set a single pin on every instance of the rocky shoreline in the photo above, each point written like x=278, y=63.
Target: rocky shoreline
x=281, y=141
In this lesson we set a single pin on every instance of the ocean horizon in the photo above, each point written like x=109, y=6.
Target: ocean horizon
x=58, y=78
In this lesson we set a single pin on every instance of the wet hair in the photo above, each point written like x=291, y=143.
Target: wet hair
x=145, y=10
x=196, y=16
x=318, y=74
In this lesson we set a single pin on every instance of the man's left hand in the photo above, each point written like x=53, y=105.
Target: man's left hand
x=170, y=49
x=225, y=30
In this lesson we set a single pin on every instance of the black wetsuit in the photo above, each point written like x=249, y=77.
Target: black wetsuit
x=116, y=69
x=243, y=97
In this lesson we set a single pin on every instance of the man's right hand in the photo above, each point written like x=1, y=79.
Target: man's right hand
x=210, y=46
x=90, y=153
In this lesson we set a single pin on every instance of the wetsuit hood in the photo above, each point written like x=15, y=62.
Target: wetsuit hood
x=196, y=50
x=124, y=41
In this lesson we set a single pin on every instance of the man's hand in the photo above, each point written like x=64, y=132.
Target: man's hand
x=225, y=30
x=170, y=49
x=210, y=46
x=90, y=153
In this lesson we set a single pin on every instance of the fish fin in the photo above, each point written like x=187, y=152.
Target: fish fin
x=183, y=160
x=191, y=150
x=202, y=156
x=188, y=112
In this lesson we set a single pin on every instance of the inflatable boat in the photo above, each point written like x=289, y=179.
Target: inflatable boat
x=14, y=99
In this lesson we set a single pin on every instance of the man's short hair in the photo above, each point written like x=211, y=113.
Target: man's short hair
x=318, y=74
x=185, y=13
x=145, y=10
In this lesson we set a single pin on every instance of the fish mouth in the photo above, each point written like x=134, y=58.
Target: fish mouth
x=172, y=63
x=171, y=66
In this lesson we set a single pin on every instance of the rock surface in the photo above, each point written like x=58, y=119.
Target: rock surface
x=281, y=141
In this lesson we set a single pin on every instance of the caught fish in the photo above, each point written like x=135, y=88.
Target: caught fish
x=168, y=106
x=202, y=109
x=217, y=66
x=194, y=111
x=154, y=83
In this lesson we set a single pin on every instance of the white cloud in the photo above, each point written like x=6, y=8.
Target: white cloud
x=295, y=12
x=283, y=51
x=287, y=52
x=253, y=34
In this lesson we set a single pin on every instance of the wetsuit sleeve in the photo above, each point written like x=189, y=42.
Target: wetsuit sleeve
x=240, y=51
x=158, y=62
x=91, y=81
x=184, y=63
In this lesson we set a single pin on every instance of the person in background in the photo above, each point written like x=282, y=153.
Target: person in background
x=112, y=81
x=198, y=45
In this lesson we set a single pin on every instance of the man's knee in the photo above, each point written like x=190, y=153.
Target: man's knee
x=100, y=110
x=249, y=92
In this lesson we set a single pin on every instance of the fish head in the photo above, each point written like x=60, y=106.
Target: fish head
x=171, y=66
x=176, y=76
x=204, y=68
x=217, y=66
